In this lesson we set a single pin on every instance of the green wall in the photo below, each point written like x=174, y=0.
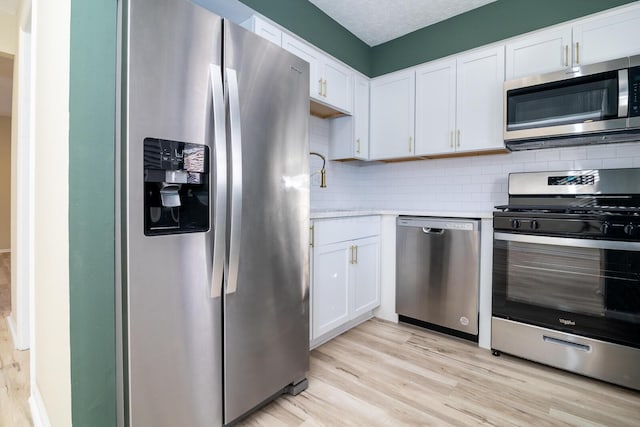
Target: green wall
x=307, y=21
x=493, y=22
x=91, y=212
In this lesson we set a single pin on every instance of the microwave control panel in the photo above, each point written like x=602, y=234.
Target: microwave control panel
x=634, y=92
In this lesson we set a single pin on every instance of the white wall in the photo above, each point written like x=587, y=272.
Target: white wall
x=475, y=183
x=342, y=178
x=5, y=183
x=8, y=33
x=51, y=40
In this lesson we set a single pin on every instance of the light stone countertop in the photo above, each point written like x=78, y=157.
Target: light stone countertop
x=342, y=213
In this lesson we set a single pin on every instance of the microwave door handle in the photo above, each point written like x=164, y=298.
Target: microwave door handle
x=219, y=146
x=623, y=93
x=235, y=147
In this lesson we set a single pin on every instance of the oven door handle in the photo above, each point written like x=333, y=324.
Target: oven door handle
x=566, y=241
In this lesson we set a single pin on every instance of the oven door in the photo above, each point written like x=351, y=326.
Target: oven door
x=580, y=286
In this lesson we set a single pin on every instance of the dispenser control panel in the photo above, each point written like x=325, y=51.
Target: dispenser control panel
x=634, y=92
x=176, y=187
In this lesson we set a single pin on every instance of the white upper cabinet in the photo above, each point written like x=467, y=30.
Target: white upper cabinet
x=349, y=135
x=330, y=82
x=540, y=53
x=459, y=104
x=436, y=107
x=392, y=115
x=361, y=117
x=479, y=106
x=264, y=29
x=309, y=54
x=337, y=85
x=608, y=36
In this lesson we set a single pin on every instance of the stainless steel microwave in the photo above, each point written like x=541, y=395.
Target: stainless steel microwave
x=591, y=104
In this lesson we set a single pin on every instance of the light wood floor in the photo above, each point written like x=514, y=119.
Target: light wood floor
x=5, y=284
x=14, y=365
x=382, y=374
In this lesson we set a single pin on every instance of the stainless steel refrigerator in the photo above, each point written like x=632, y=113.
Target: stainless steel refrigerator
x=215, y=217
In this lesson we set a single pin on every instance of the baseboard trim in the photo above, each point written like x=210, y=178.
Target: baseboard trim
x=13, y=329
x=38, y=410
x=340, y=330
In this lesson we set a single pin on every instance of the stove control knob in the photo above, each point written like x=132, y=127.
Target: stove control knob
x=631, y=230
x=605, y=227
x=534, y=224
x=515, y=223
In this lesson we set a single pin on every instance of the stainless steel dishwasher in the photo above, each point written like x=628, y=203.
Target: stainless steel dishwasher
x=437, y=273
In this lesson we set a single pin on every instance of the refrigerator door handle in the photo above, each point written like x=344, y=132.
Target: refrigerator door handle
x=236, y=179
x=219, y=147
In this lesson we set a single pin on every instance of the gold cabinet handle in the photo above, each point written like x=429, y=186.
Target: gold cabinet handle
x=355, y=258
x=351, y=254
x=325, y=89
x=410, y=144
x=358, y=145
x=566, y=55
x=312, y=235
x=458, y=144
x=577, y=52
x=320, y=87
x=451, y=139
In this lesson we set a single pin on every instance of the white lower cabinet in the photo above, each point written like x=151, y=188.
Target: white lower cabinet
x=345, y=284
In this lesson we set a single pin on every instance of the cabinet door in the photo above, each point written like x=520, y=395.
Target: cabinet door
x=435, y=107
x=267, y=31
x=365, y=276
x=330, y=289
x=607, y=37
x=337, y=88
x=540, y=53
x=312, y=56
x=361, y=118
x=479, y=103
x=392, y=116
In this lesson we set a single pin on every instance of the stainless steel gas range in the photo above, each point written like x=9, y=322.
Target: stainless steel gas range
x=566, y=272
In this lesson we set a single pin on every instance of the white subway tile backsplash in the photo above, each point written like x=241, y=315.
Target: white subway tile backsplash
x=573, y=154
x=601, y=152
x=536, y=166
x=547, y=155
x=617, y=163
x=628, y=150
x=560, y=165
x=588, y=164
x=476, y=183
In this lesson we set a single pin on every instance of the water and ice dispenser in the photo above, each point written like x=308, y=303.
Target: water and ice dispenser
x=176, y=187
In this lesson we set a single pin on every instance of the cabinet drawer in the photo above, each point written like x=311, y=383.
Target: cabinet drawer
x=328, y=231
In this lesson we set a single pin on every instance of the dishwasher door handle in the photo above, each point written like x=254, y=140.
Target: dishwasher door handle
x=429, y=230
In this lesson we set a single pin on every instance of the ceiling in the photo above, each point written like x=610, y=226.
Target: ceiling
x=378, y=21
